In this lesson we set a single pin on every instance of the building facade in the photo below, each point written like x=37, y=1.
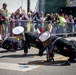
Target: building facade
x=58, y=6
x=51, y=6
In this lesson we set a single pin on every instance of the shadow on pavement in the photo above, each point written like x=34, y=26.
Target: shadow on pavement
x=50, y=63
x=19, y=56
x=3, y=51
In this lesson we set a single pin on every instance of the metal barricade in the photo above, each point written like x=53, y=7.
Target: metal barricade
x=40, y=27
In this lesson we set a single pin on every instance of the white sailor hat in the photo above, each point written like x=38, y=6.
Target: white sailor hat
x=43, y=37
x=18, y=30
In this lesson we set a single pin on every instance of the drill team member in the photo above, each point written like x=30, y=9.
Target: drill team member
x=12, y=43
x=32, y=39
x=59, y=45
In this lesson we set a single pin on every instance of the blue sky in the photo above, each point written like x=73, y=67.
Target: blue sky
x=15, y=4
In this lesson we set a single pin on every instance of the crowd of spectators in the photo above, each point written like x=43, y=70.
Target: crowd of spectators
x=62, y=23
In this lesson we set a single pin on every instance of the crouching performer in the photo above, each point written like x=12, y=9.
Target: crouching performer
x=58, y=45
x=12, y=43
x=32, y=40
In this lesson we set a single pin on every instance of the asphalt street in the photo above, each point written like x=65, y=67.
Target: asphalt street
x=16, y=63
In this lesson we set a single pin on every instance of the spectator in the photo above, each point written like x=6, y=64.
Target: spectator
x=24, y=15
x=12, y=24
x=47, y=21
x=71, y=23
x=30, y=16
x=37, y=20
x=62, y=24
x=17, y=16
x=67, y=22
x=75, y=24
x=48, y=18
x=30, y=25
x=24, y=18
x=6, y=14
x=2, y=19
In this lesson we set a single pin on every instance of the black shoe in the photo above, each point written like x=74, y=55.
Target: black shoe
x=65, y=63
x=71, y=59
x=25, y=54
x=13, y=50
x=51, y=59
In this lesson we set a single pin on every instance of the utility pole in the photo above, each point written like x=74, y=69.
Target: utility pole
x=28, y=6
x=22, y=3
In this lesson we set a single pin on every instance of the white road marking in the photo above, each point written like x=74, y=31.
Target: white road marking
x=17, y=67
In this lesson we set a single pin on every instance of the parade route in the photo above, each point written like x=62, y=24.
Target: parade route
x=17, y=67
x=15, y=63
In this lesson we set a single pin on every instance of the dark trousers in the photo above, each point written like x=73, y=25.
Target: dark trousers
x=26, y=47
